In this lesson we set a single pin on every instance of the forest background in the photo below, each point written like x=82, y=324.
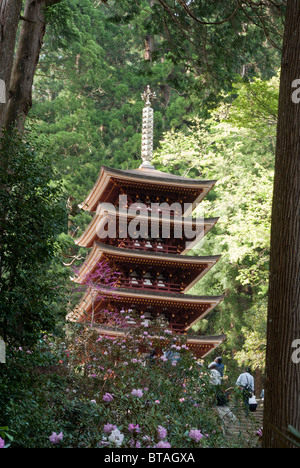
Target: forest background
x=215, y=117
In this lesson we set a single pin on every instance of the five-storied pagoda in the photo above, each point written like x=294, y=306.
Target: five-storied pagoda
x=141, y=228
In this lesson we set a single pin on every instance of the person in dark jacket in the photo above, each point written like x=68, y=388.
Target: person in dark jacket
x=219, y=366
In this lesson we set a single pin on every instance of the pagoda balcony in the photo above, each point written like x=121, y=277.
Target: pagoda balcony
x=150, y=285
x=153, y=209
x=146, y=245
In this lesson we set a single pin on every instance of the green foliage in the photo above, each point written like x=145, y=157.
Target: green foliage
x=4, y=435
x=23, y=395
x=256, y=105
x=77, y=385
x=254, y=348
x=214, y=40
x=32, y=216
x=87, y=99
x=215, y=118
x=238, y=152
x=87, y=104
x=59, y=18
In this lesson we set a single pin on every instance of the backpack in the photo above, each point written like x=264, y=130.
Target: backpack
x=252, y=403
x=222, y=399
x=247, y=388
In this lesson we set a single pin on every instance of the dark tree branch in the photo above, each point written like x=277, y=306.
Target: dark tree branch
x=191, y=14
x=260, y=23
x=26, y=19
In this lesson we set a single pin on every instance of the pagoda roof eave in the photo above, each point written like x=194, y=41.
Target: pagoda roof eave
x=99, y=249
x=100, y=219
x=158, y=176
x=193, y=342
x=192, y=338
x=175, y=297
x=153, y=176
x=196, y=339
x=136, y=294
x=158, y=255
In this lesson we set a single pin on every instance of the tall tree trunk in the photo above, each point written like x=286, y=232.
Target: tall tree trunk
x=26, y=60
x=149, y=39
x=10, y=11
x=27, y=56
x=282, y=395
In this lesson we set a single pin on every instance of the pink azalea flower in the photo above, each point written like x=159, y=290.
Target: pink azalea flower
x=132, y=428
x=162, y=432
x=163, y=444
x=137, y=393
x=108, y=397
x=108, y=428
x=56, y=438
x=2, y=443
x=195, y=434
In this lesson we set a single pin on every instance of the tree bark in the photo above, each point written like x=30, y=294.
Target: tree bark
x=282, y=392
x=25, y=64
x=10, y=11
x=149, y=46
x=27, y=56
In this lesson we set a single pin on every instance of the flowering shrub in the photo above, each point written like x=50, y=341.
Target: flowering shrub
x=88, y=390
x=56, y=438
x=146, y=400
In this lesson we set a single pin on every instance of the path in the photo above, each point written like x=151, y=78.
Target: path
x=245, y=428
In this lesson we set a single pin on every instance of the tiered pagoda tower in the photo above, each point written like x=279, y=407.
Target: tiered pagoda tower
x=133, y=232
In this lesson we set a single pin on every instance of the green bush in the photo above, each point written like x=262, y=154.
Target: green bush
x=91, y=391
x=32, y=216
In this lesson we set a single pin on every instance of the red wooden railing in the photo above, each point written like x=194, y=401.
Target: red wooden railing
x=152, y=285
x=146, y=246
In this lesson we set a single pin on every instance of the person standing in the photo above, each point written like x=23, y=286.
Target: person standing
x=245, y=382
x=222, y=401
x=217, y=363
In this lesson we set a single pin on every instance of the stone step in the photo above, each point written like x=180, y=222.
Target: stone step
x=246, y=426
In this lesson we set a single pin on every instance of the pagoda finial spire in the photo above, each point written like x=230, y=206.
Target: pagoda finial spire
x=148, y=95
x=147, y=136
